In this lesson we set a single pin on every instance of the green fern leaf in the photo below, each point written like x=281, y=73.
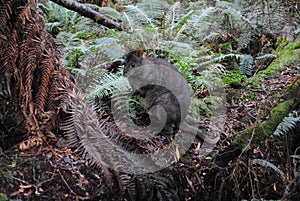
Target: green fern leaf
x=172, y=14
x=107, y=85
x=287, y=124
x=246, y=66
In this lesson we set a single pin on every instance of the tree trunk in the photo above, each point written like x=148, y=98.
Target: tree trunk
x=32, y=74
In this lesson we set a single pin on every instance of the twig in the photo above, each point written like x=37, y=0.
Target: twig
x=62, y=177
x=76, y=196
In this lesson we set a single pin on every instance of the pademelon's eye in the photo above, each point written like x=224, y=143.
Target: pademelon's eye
x=132, y=65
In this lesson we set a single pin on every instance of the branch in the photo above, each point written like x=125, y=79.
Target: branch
x=89, y=13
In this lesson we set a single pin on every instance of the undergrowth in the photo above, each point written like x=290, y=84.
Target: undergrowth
x=198, y=38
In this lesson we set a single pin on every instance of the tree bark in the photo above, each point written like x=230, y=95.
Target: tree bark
x=34, y=83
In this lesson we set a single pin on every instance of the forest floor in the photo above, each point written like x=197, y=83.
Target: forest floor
x=266, y=170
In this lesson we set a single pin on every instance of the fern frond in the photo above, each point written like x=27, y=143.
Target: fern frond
x=245, y=38
x=202, y=17
x=210, y=60
x=267, y=164
x=297, y=31
x=183, y=21
x=107, y=85
x=92, y=137
x=57, y=13
x=107, y=11
x=246, y=66
x=274, y=17
x=287, y=124
x=137, y=17
x=296, y=157
x=110, y=47
x=111, y=13
x=86, y=56
x=179, y=48
x=113, y=86
x=51, y=25
x=154, y=9
x=267, y=56
x=172, y=14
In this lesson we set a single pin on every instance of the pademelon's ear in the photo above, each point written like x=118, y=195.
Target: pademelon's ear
x=128, y=49
x=140, y=52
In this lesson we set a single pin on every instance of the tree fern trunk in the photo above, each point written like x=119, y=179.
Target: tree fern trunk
x=31, y=70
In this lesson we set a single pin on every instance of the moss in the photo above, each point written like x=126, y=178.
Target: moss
x=234, y=79
x=3, y=197
x=235, y=83
x=279, y=112
x=197, y=107
x=287, y=54
x=266, y=128
x=250, y=96
x=254, y=83
x=204, y=110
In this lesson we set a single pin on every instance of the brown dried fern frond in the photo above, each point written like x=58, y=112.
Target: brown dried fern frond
x=31, y=66
x=8, y=44
x=91, y=136
x=105, y=146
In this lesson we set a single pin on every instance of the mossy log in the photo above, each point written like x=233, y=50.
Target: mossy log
x=260, y=131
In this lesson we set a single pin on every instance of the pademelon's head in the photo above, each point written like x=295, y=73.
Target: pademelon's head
x=134, y=58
